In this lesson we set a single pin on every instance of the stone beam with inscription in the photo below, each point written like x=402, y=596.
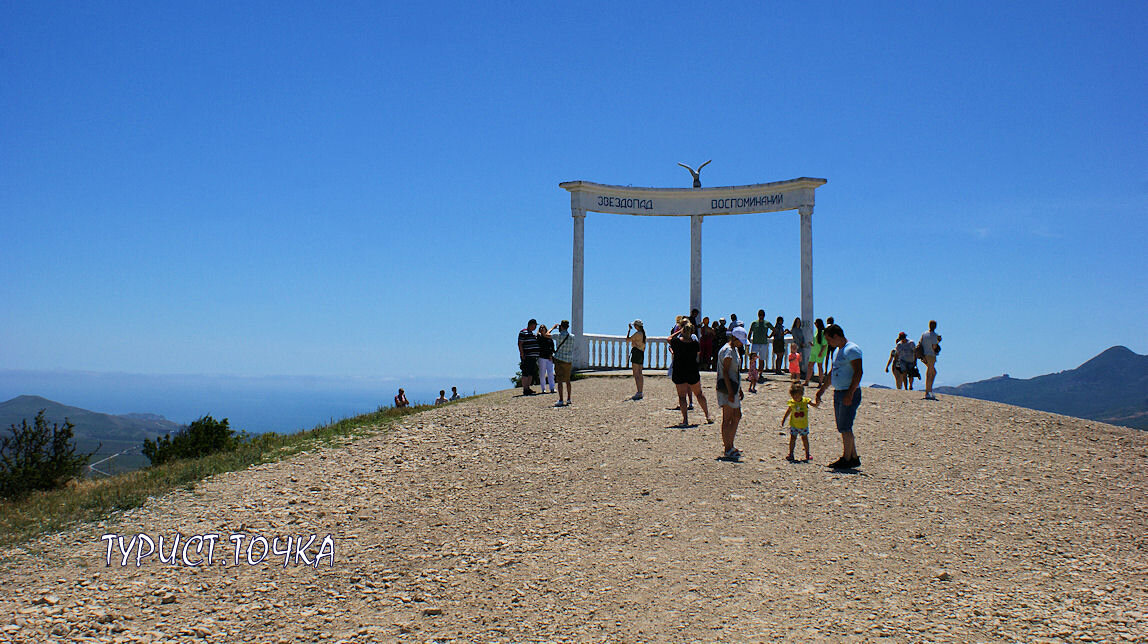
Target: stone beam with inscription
x=587, y=196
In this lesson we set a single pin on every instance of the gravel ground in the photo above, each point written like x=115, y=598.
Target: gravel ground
x=505, y=519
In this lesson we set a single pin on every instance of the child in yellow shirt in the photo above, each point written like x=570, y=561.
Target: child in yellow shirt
x=797, y=412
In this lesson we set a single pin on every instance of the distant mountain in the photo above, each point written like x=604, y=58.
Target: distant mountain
x=110, y=432
x=1112, y=388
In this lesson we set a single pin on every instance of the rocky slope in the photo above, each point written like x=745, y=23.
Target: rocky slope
x=504, y=519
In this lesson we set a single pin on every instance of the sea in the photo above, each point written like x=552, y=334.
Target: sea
x=254, y=404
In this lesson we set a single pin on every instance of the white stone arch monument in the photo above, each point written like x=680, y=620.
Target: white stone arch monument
x=695, y=203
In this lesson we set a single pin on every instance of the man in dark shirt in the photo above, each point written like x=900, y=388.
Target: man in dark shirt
x=528, y=356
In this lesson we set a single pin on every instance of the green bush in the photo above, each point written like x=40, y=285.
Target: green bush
x=200, y=438
x=38, y=457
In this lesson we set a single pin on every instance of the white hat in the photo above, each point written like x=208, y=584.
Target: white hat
x=739, y=333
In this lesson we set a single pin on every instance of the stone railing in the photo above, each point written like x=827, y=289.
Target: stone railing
x=613, y=352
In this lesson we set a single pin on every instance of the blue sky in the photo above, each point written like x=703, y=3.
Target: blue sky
x=371, y=189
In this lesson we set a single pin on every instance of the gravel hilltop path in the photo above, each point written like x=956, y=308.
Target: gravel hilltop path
x=504, y=519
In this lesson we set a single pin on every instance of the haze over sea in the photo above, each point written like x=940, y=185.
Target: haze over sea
x=254, y=404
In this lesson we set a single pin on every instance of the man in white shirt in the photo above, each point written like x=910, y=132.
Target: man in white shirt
x=930, y=346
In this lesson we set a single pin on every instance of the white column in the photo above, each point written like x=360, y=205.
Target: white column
x=696, y=262
x=577, y=290
x=806, y=213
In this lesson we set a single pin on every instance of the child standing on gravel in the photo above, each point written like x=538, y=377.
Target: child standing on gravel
x=798, y=415
x=753, y=373
x=794, y=362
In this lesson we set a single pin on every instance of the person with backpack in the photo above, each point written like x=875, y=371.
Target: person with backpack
x=930, y=346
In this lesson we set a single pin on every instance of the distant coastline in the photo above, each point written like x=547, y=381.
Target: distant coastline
x=254, y=404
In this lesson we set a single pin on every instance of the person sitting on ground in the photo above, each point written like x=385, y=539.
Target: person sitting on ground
x=797, y=411
x=401, y=399
x=454, y=394
x=636, y=335
x=441, y=397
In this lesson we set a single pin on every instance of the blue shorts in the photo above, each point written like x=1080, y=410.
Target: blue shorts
x=843, y=414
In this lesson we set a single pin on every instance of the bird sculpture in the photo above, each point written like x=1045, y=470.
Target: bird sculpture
x=696, y=173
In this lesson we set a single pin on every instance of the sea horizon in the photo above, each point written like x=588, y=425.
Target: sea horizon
x=255, y=404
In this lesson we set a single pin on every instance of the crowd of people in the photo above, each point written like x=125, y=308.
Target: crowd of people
x=546, y=357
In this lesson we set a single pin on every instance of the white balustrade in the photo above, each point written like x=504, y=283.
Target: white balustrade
x=613, y=352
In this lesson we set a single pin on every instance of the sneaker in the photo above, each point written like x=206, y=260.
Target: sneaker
x=560, y=403
x=690, y=407
x=637, y=396
x=855, y=461
x=731, y=455
x=840, y=464
x=528, y=392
